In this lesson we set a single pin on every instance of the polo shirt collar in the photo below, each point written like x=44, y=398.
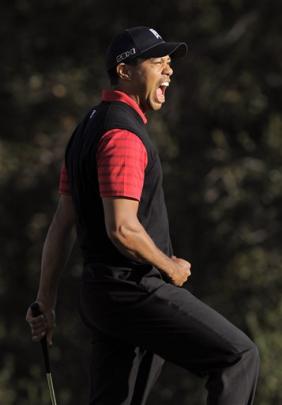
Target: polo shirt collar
x=117, y=95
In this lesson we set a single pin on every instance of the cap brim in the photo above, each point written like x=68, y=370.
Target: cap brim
x=173, y=49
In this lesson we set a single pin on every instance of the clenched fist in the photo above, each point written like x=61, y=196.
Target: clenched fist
x=180, y=272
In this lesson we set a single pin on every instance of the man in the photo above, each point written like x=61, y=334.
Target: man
x=131, y=295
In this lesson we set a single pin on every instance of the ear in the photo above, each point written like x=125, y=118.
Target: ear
x=123, y=71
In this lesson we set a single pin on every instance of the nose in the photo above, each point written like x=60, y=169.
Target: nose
x=168, y=69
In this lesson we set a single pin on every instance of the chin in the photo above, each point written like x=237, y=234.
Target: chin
x=158, y=107
x=155, y=106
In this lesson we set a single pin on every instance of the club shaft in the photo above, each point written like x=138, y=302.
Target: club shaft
x=35, y=309
x=51, y=388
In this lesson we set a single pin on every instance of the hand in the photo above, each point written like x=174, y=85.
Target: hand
x=42, y=325
x=181, y=271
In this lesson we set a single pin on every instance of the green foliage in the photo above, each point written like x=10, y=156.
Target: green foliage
x=220, y=141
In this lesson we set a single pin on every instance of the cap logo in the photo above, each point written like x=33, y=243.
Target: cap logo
x=125, y=55
x=155, y=33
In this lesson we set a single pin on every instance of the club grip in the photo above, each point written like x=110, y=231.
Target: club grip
x=36, y=311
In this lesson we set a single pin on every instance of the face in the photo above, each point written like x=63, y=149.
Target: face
x=149, y=80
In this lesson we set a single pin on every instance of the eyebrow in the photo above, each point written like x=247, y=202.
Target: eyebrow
x=163, y=60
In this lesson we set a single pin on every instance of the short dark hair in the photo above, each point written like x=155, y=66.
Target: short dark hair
x=112, y=73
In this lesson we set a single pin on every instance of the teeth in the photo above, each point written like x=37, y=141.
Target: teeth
x=166, y=84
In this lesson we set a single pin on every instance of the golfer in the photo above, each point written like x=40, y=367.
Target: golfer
x=131, y=288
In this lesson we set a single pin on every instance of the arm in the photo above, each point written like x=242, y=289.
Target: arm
x=130, y=237
x=56, y=250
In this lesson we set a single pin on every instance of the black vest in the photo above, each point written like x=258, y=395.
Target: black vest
x=82, y=172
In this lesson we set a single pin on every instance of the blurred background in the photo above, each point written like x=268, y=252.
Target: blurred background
x=220, y=142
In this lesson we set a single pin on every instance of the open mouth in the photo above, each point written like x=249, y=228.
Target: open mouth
x=160, y=93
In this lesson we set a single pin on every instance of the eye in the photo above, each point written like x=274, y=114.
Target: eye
x=156, y=61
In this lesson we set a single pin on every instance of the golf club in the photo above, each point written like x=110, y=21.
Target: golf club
x=35, y=310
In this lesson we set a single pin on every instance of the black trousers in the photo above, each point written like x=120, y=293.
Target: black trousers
x=139, y=320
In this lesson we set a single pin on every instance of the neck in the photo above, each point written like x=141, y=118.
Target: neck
x=132, y=95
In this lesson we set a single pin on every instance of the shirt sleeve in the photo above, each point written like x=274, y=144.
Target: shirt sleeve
x=64, y=187
x=121, y=162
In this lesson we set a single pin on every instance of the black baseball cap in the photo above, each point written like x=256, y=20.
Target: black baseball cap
x=141, y=42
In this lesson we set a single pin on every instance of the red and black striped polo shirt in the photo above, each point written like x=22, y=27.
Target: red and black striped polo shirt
x=121, y=158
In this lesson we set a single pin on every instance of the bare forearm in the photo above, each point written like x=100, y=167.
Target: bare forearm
x=134, y=242
x=56, y=251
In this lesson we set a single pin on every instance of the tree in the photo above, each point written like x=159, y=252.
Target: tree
x=219, y=137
